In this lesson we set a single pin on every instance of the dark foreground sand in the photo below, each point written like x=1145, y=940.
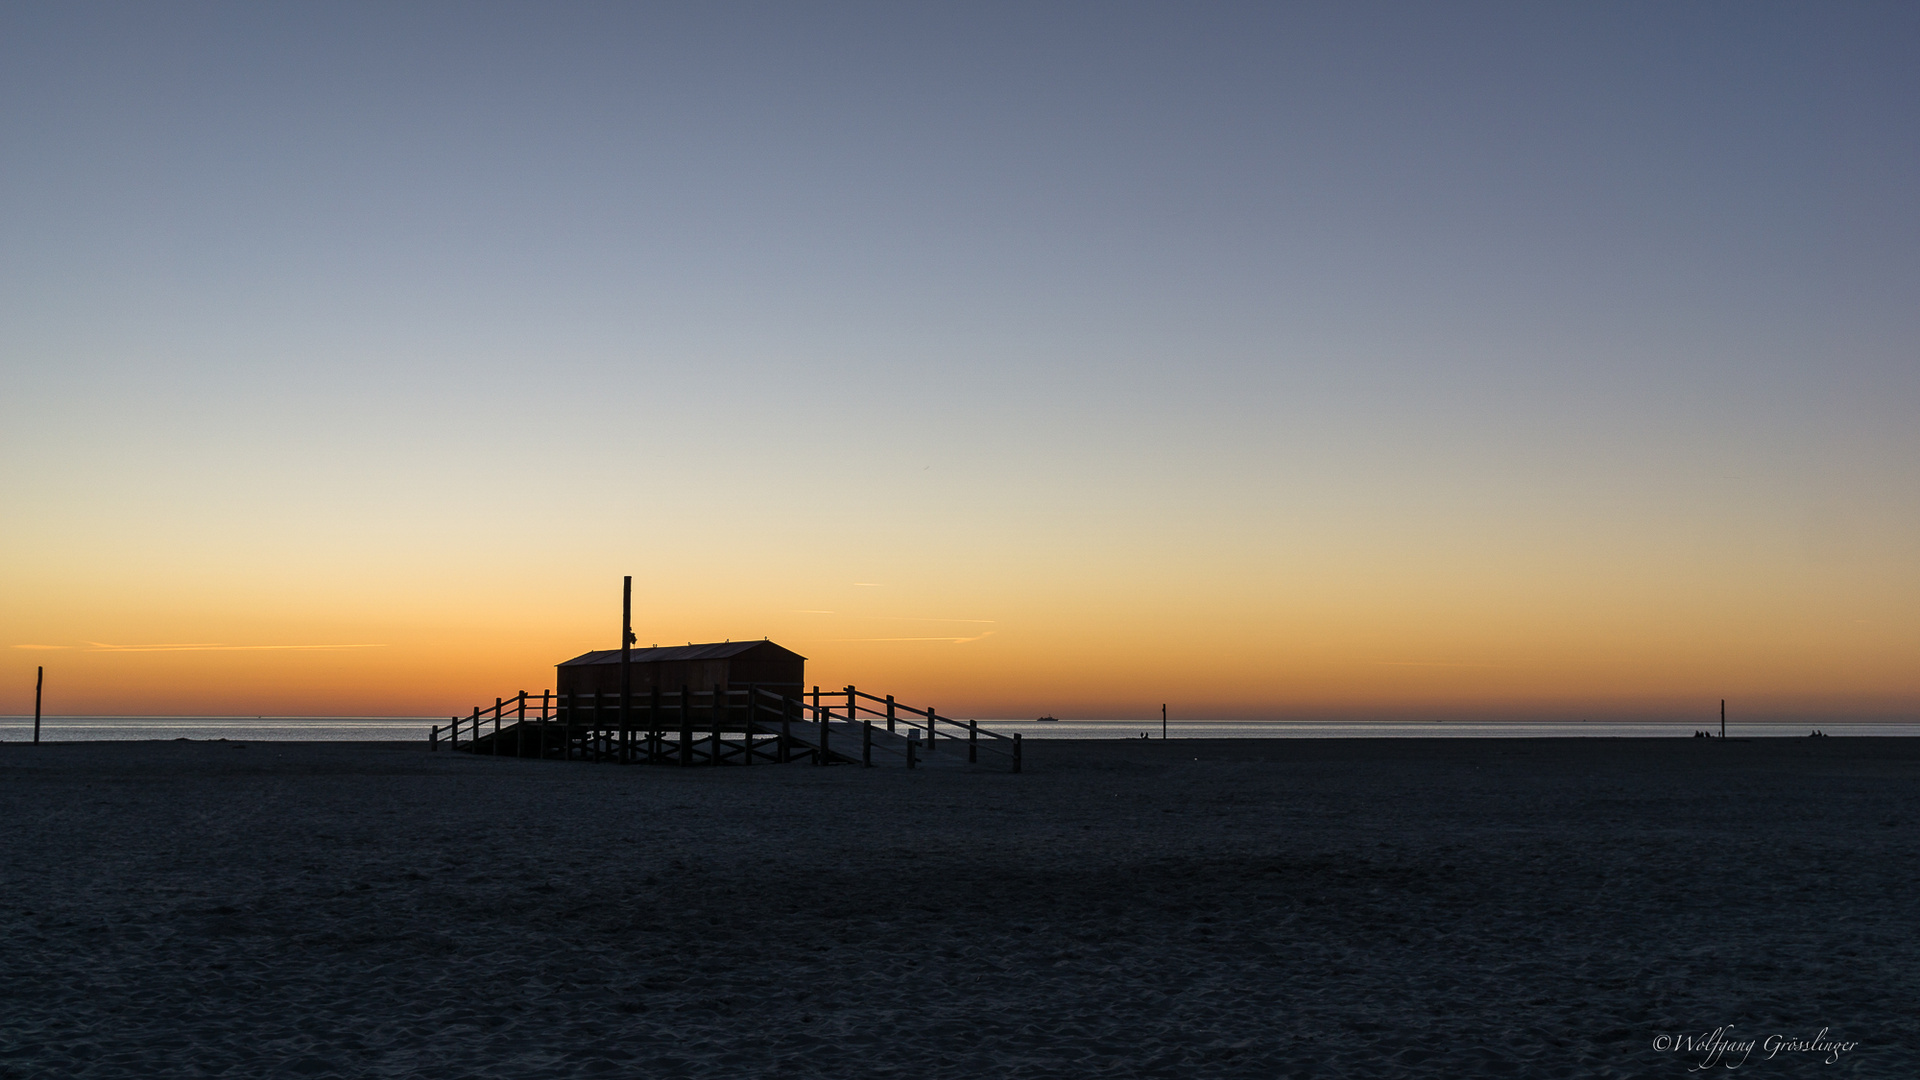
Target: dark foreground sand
x=1186, y=909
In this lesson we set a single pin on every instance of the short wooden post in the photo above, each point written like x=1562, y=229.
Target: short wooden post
x=39, y=680
x=866, y=743
x=499, y=706
x=853, y=705
x=889, y=714
x=913, y=750
x=932, y=732
x=1016, y=751
x=433, y=738
x=973, y=741
x=824, y=733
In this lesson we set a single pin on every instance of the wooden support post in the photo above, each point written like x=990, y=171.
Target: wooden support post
x=913, y=750
x=1016, y=751
x=520, y=728
x=853, y=704
x=566, y=729
x=499, y=706
x=932, y=732
x=973, y=741
x=719, y=720
x=824, y=734
x=39, y=680
x=889, y=714
x=654, y=726
x=784, y=752
x=866, y=743
x=1723, y=718
x=753, y=715
x=433, y=738
x=686, y=726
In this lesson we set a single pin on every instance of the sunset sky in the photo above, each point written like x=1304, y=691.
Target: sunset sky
x=1269, y=360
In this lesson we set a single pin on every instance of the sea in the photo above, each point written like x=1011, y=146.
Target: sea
x=415, y=728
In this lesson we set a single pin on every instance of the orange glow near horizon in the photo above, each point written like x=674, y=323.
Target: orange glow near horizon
x=1272, y=649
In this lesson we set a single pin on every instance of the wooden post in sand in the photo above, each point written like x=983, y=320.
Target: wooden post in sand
x=1016, y=751
x=1723, y=718
x=1163, y=721
x=889, y=714
x=973, y=741
x=39, y=680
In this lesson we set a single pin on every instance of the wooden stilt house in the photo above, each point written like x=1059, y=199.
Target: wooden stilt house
x=699, y=668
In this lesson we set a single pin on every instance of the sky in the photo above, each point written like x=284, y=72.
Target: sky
x=1286, y=361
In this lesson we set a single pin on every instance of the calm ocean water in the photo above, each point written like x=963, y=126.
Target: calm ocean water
x=384, y=728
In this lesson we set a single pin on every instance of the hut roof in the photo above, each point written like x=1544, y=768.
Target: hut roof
x=719, y=650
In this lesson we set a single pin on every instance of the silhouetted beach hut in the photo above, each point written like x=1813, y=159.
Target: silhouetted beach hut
x=699, y=668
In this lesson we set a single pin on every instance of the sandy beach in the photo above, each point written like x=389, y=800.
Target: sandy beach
x=1231, y=908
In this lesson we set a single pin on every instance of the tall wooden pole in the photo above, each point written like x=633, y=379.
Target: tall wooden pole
x=626, y=664
x=39, y=679
x=1163, y=721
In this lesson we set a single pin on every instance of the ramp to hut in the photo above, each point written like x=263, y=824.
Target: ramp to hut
x=728, y=727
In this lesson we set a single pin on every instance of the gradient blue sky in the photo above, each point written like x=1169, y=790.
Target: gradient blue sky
x=1364, y=358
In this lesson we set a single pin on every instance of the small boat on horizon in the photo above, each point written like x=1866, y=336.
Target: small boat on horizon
x=1047, y=720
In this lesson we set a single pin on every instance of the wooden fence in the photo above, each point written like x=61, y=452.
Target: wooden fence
x=736, y=726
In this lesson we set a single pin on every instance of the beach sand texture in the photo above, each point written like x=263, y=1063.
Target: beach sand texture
x=1244, y=908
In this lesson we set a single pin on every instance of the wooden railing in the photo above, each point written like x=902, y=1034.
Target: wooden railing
x=640, y=727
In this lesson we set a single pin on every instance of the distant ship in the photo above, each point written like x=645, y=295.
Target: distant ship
x=1047, y=720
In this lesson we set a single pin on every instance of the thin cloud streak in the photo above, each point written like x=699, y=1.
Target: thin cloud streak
x=98, y=646
x=955, y=640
